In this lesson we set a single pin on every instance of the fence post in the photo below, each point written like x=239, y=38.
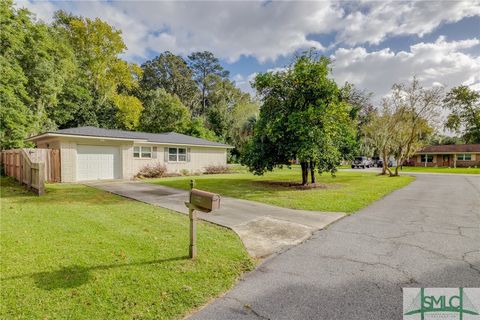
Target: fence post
x=41, y=178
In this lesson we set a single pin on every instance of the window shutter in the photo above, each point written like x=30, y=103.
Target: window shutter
x=166, y=154
x=188, y=154
x=154, y=153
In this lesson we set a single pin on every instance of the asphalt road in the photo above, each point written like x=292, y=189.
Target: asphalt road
x=424, y=235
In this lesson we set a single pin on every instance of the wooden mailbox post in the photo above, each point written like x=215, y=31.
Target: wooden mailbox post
x=202, y=201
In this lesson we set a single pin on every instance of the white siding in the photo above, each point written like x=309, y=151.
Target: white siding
x=68, y=159
x=200, y=157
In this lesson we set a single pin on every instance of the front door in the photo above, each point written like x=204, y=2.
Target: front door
x=446, y=160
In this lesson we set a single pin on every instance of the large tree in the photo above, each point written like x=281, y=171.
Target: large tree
x=302, y=116
x=110, y=80
x=377, y=132
x=164, y=112
x=204, y=66
x=414, y=110
x=171, y=72
x=464, y=105
x=36, y=65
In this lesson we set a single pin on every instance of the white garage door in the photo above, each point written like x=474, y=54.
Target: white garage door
x=98, y=162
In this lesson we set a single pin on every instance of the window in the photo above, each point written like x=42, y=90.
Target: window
x=427, y=158
x=142, y=152
x=464, y=157
x=177, y=154
x=182, y=154
x=146, y=152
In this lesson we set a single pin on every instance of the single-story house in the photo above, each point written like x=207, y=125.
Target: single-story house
x=90, y=153
x=451, y=155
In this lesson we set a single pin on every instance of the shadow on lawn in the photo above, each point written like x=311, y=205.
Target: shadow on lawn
x=75, y=276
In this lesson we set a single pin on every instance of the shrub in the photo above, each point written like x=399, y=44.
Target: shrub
x=152, y=171
x=184, y=172
x=217, y=169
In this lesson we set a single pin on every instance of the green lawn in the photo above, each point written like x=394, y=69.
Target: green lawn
x=347, y=192
x=80, y=253
x=442, y=170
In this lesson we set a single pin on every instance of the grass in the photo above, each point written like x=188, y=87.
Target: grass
x=442, y=170
x=347, y=192
x=80, y=253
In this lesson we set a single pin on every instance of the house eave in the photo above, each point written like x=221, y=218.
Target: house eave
x=138, y=141
x=59, y=135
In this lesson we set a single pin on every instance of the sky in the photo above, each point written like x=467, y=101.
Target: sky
x=373, y=44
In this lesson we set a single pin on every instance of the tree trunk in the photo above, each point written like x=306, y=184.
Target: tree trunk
x=399, y=162
x=312, y=172
x=304, y=166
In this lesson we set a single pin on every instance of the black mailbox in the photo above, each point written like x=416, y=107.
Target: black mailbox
x=204, y=201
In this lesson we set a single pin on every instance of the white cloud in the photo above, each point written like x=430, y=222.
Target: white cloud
x=258, y=29
x=437, y=63
x=378, y=20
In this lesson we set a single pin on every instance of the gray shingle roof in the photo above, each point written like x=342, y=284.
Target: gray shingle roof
x=168, y=137
x=452, y=148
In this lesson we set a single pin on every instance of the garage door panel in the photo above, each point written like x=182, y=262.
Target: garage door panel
x=98, y=162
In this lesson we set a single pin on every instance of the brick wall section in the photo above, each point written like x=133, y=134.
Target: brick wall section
x=438, y=161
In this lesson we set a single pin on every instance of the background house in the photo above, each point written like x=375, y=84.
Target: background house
x=453, y=155
x=90, y=153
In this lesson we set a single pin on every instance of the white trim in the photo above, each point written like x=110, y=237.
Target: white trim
x=178, y=155
x=140, y=157
x=46, y=135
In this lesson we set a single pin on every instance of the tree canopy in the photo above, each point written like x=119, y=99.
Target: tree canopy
x=302, y=117
x=464, y=104
x=71, y=73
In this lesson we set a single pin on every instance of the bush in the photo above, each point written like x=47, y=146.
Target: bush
x=217, y=169
x=184, y=172
x=152, y=171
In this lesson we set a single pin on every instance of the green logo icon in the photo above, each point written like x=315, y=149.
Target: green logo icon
x=437, y=302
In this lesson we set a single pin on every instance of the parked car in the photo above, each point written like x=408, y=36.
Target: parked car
x=361, y=162
x=377, y=162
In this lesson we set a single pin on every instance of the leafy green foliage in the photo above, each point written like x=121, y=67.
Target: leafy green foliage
x=34, y=70
x=69, y=73
x=205, y=66
x=464, y=104
x=171, y=73
x=302, y=116
x=164, y=113
x=110, y=80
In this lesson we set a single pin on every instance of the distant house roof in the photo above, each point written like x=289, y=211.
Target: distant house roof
x=451, y=148
x=161, y=138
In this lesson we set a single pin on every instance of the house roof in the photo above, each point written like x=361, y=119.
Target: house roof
x=161, y=138
x=451, y=148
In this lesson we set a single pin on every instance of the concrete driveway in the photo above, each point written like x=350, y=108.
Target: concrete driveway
x=424, y=235
x=263, y=229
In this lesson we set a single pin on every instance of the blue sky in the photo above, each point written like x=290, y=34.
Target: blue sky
x=372, y=44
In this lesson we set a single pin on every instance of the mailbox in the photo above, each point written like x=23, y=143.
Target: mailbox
x=204, y=201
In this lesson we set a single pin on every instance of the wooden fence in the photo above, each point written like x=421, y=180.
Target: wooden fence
x=32, y=167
